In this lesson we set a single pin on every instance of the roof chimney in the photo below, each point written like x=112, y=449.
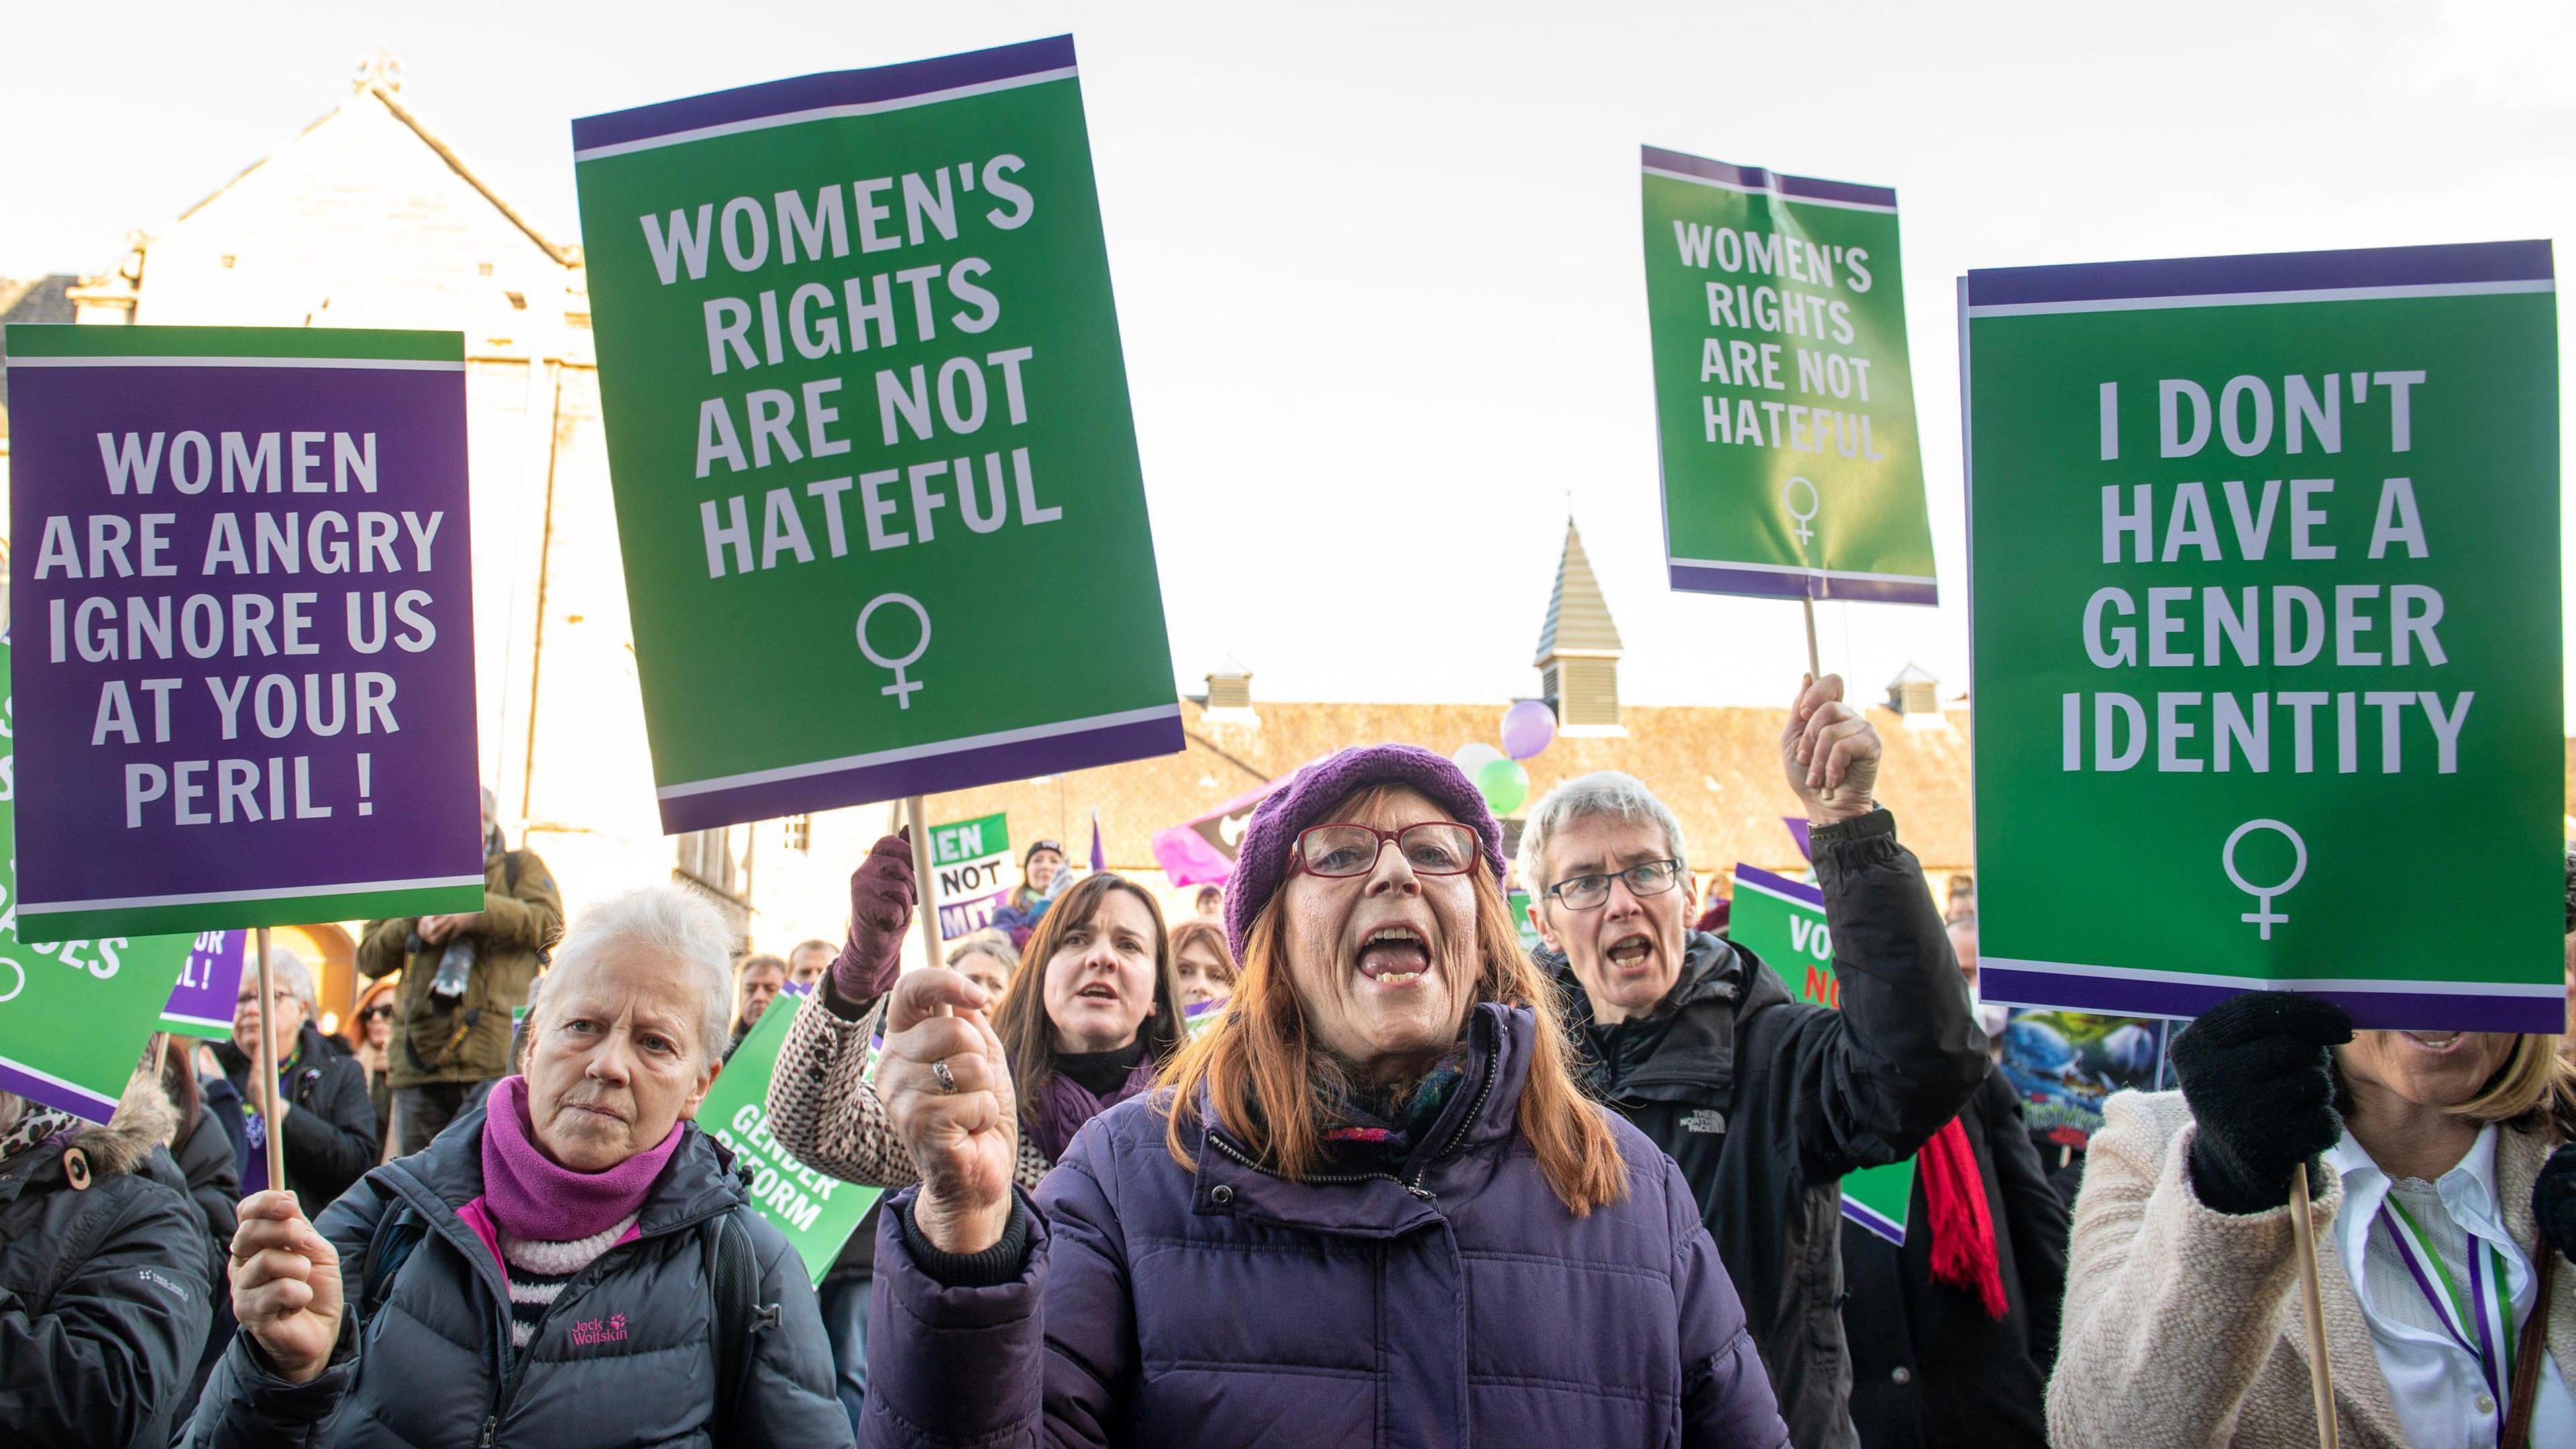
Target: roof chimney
x=1578, y=648
x=1229, y=695
x=1916, y=697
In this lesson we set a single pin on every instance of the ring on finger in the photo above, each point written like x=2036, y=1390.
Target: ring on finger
x=947, y=1079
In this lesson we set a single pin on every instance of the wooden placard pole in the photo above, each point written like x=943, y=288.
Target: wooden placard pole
x=1815, y=668
x=268, y=1068
x=2304, y=1246
x=923, y=879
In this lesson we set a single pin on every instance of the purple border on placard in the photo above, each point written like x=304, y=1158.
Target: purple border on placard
x=2370, y=1010
x=1808, y=188
x=1780, y=885
x=1868, y=1221
x=1704, y=579
x=88, y=1106
x=2426, y=266
x=935, y=774
x=815, y=92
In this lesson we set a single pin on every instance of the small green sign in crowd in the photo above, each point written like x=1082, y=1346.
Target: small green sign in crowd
x=1783, y=922
x=815, y=1210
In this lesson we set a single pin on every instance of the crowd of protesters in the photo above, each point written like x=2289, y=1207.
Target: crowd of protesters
x=1332, y=1161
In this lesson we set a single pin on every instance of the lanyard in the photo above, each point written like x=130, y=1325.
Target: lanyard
x=2480, y=1321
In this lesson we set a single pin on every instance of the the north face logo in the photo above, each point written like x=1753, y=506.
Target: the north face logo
x=596, y=1331
x=1706, y=1119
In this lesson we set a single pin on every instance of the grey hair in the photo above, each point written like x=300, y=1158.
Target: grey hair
x=987, y=943
x=665, y=921
x=293, y=974
x=1603, y=792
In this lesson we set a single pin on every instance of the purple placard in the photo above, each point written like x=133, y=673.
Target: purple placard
x=299, y=739
x=877, y=87
x=2498, y=264
x=209, y=986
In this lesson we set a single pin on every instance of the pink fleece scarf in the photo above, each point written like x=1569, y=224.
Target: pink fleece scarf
x=532, y=1199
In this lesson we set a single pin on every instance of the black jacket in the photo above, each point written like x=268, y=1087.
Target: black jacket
x=104, y=1293
x=1765, y=1102
x=331, y=1136
x=213, y=1178
x=627, y=1354
x=1929, y=1369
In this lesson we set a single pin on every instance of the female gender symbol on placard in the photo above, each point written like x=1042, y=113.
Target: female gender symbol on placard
x=1815, y=505
x=902, y=688
x=13, y=991
x=2263, y=915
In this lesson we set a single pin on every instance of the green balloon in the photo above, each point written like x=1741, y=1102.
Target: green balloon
x=1504, y=784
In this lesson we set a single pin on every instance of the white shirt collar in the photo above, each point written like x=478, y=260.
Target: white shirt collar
x=2468, y=1192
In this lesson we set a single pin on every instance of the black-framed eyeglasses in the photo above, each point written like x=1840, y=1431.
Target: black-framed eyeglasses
x=1590, y=892
x=1429, y=847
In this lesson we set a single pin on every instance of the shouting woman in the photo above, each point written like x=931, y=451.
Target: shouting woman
x=1369, y=1206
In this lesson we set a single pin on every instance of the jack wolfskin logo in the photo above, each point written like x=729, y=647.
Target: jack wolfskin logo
x=597, y=1331
x=1706, y=1119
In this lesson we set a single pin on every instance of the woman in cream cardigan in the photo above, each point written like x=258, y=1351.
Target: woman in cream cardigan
x=2424, y=1149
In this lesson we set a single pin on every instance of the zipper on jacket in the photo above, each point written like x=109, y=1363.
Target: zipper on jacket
x=1328, y=1179
x=514, y=1364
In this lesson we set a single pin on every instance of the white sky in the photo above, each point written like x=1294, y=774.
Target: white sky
x=1378, y=265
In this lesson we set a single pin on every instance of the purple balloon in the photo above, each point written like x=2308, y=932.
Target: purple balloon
x=1528, y=727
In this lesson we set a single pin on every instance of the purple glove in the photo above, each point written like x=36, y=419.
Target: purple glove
x=882, y=894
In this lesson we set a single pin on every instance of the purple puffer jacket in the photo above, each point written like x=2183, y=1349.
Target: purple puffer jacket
x=1227, y=1306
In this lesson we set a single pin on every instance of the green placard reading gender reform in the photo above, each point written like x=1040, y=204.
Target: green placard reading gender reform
x=2266, y=581
x=1784, y=398
x=869, y=437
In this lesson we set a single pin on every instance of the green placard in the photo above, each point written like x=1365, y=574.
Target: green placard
x=1784, y=398
x=816, y=1211
x=2266, y=573
x=868, y=432
x=1783, y=922
x=74, y=1016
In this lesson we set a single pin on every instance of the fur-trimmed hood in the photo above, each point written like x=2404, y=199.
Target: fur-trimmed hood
x=145, y=1119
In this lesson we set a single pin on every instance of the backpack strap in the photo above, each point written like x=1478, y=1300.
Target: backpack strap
x=733, y=1273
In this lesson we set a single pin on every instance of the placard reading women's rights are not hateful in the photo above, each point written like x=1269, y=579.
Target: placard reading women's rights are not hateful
x=869, y=437
x=244, y=671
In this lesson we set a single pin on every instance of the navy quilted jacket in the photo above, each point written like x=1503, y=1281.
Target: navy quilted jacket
x=1461, y=1305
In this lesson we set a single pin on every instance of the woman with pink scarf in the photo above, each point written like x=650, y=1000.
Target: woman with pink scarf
x=572, y=1263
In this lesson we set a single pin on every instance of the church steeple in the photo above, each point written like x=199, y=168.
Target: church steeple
x=1578, y=647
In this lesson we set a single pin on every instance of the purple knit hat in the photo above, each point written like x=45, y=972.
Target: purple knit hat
x=1261, y=865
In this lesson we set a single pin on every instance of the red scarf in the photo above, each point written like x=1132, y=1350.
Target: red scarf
x=1963, y=1233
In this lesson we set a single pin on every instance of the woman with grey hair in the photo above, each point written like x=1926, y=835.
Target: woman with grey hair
x=574, y=1262
x=324, y=1113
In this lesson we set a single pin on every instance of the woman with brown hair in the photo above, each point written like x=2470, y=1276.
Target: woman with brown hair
x=1368, y=1205
x=1085, y=1029
x=1205, y=965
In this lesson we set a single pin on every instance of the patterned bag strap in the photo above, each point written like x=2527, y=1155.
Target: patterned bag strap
x=2526, y=1363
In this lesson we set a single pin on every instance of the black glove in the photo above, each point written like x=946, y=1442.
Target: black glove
x=2553, y=1201
x=2261, y=1085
